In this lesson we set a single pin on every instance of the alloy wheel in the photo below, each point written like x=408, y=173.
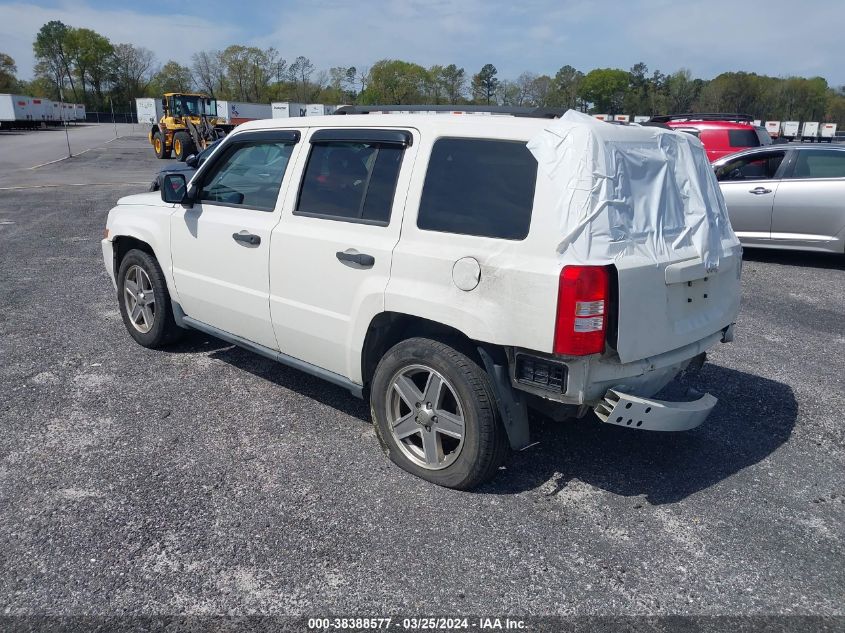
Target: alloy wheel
x=139, y=299
x=426, y=417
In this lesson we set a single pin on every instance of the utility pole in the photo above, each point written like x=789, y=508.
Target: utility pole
x=64, y=121
x=111, y=103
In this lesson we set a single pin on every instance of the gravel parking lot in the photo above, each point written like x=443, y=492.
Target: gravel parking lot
x=207, y=480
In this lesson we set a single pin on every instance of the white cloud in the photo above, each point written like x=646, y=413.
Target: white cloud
x=777, y=38
x=171, y=36
x=706, y=36
x=344, y=33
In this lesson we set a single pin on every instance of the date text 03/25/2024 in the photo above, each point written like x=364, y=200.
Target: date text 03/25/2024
x=415, y=624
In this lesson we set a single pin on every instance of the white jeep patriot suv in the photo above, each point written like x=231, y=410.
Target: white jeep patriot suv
x=453, y=269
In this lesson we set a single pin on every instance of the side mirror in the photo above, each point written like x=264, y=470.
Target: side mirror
x=174, y=188
x=192, y=161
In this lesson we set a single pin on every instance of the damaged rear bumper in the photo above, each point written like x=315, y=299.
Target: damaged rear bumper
x=645, y=414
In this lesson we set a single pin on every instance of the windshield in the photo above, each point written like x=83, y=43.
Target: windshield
x=184, y=105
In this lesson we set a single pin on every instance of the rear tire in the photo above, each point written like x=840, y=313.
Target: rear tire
x=148, y=319
x=160, y=145
x=436, y=416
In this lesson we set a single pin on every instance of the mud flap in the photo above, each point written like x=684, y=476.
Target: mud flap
x=512, y=405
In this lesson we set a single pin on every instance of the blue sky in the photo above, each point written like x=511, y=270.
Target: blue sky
x=775, y=37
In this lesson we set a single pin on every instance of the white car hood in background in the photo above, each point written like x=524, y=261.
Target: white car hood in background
x=629, y=190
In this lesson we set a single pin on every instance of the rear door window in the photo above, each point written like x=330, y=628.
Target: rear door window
x=479, y=187
x=351, y=181
x=814, y=163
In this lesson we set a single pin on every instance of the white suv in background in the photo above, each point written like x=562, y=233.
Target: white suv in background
x=453, y=269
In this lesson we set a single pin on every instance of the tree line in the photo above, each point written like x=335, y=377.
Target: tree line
x=86, y=67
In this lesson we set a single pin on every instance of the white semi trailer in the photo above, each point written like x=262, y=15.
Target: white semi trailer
x=48, y=110
x=827, y=132
x=810, y=131
x=790, y=129
x=149, y=110
x=240, y=112
x=287, y=109
x=16, y=111
x=25, y=111
x=773, y=128
x=55, y=113
x=319, y=109
x=237, y=112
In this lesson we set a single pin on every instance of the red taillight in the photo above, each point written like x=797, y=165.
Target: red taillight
x=582, y=306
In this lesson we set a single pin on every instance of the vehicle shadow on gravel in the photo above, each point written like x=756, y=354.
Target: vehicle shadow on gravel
x=292, y=379
x=806, y=259
x=194, y=342
x=753, y=418
x=198, y=342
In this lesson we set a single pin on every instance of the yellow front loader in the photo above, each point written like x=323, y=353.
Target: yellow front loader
x=188, y=123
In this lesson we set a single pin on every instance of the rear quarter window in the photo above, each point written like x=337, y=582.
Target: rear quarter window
x=743, y=138
x=479, y=187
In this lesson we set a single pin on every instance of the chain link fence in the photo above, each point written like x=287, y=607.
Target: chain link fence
x=106, y=117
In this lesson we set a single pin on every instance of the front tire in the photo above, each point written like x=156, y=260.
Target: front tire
x=144, y=301
x=182, y=146
x=435, y=414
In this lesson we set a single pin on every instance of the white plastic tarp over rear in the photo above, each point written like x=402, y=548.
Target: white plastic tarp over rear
x=632, y=191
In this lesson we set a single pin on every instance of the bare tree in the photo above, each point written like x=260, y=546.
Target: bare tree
x=133, y=68
x=208, y=72
x=363, y=78
x=507, y=93
x=540, y=90
x=300, y=72
x=523, y=84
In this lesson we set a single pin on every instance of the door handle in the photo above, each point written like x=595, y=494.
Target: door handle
x=246, y=238
x=351, y=256
x=759, y=191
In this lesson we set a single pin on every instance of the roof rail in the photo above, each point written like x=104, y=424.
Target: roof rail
x=702, y=116
x=543, y=113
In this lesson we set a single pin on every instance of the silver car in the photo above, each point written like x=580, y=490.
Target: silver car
x=786, y=196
